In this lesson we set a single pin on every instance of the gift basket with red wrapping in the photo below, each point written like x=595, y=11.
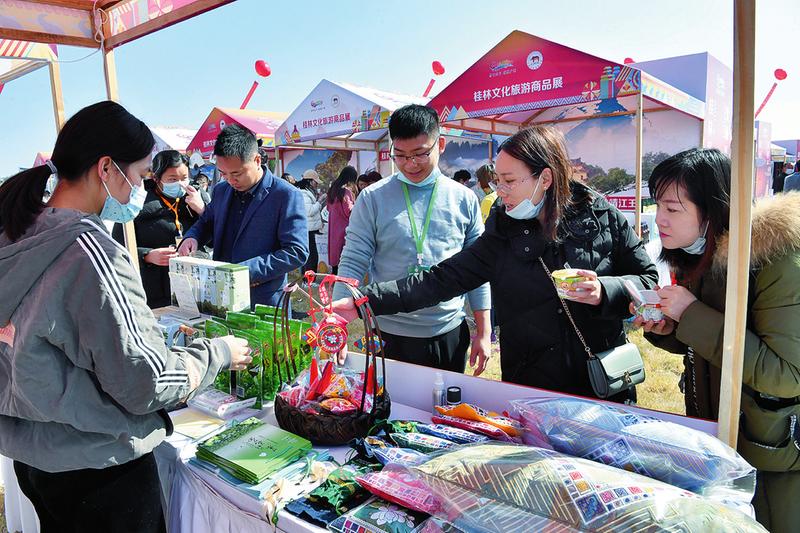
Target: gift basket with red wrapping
x=328, y=403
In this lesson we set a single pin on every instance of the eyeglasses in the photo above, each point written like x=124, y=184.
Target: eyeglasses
x=506, y=188
x=416, y=158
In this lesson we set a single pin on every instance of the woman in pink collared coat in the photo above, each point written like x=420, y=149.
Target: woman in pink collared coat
x=341, y=197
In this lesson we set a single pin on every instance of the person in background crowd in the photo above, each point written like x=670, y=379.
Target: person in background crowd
x=462, y=176
x=254, y=218
x=202, y=183
x=487, y=174
x=692, y=194
x=340, y=200
x=86, y=376
x=780, y=176
x=547, y=219
x=309, y=187
x=288, y=177
x=365, y=180
x=483, y=187
x=170, y=208
x=408, y=222
x=792, y=181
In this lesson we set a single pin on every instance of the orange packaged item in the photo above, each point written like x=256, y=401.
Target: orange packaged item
x=338, y=405
x=473, y=412
x=338, y=387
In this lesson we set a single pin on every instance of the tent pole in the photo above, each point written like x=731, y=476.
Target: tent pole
x=638, y=162
x=744, y=46
x=112, y=91
x=58, y=96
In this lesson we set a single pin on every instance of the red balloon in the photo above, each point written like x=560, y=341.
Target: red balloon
x=780, y=74
x=628, y=61
x=438, y=69
x=262, y=68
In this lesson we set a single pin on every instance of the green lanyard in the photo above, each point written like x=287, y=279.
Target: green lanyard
x=419, y=241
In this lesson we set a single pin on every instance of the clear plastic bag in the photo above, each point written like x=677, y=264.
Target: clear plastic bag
x=668, y=452
x=501, y=487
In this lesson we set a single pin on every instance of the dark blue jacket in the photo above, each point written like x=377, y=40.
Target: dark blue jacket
x=272, y=239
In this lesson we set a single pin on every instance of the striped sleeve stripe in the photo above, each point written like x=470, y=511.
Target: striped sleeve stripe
x=105, y=270
x=122, y=299
x=93, y=259
x=126, y=303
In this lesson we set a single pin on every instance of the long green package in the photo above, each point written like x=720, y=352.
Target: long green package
x=264, y=376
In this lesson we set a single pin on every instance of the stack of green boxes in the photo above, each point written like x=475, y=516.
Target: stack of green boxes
x=263, y=378
x=217, y=287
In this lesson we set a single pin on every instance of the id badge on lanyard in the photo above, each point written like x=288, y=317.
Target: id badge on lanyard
x=419, y=240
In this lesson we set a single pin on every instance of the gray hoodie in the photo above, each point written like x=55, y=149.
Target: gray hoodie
x=84, y=371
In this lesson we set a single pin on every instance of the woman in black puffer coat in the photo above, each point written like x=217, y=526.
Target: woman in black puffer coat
x=545, y=215
x=171, y=207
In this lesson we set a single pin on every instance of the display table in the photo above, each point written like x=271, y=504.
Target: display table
x=198, y=502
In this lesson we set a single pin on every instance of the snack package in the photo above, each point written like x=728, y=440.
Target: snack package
x=338, y=406
x=421, y=442
x=398, y=487
x=403, y=456
x=294, y=396
x=339, y=387
x=457, y=435
x=478, y=427
x=219, y=404
x=472, y=412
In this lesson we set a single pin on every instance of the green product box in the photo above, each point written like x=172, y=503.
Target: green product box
x=232, y=287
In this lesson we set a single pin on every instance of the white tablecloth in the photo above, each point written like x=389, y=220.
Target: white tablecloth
x=200, y=501
x=20, y=515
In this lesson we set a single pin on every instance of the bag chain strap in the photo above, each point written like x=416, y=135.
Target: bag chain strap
x=566, y=310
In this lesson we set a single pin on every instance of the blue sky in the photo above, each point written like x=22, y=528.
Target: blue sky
x=175, y=77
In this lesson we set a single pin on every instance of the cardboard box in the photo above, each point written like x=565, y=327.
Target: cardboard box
x=217, y=287
x=233, y=287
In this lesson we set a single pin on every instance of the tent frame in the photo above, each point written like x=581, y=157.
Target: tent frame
x=741, y=195
x=85, y=8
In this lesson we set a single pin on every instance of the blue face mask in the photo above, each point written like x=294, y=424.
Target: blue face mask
x=698, y=247
x=174, y=190
x=527, y=210
x=424, y=183
x=116, y=211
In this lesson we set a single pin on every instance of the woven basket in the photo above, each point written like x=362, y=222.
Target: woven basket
x=330, y=429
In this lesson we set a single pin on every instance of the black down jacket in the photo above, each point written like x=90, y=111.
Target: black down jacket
x=538, y=345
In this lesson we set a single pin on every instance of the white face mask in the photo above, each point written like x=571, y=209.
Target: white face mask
x=698, y=247
x=116, y=211
x=527, y=210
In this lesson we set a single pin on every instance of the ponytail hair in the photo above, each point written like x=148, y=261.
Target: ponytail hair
x=99, y=130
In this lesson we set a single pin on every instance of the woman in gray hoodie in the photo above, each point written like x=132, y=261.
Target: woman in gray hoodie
x=85, y=376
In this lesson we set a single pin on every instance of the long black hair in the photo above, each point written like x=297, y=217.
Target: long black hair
x=705, y=175
x=102, y=129
x=346, y=180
